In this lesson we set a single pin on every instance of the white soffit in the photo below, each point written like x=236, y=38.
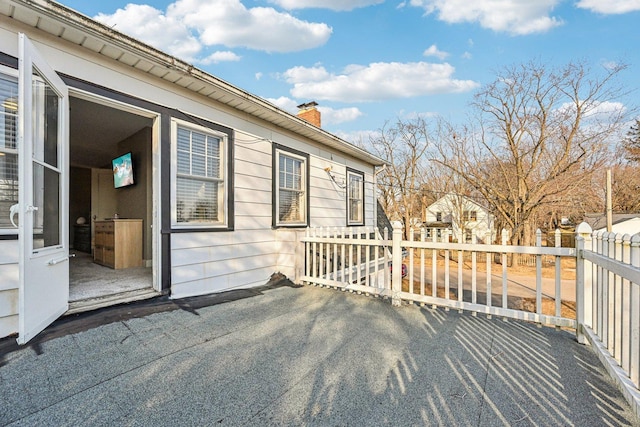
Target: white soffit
x=73, y=27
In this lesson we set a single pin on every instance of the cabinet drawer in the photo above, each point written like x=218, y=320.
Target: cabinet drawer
x=109, y=256
x=104, y=226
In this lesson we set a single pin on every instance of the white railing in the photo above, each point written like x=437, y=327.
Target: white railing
x=605, y=294
x=355, y=260
x=608, y=313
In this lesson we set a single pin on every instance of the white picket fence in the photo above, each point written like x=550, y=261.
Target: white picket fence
x=608, y=310
x=466, y=276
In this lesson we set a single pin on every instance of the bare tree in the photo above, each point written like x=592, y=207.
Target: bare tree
x=631, y=143
x=539, y=133
x=403, y=146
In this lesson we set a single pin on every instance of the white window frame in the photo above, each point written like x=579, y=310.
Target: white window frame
x=352, y=174
x=224, y=177
x=303, y=222
x=470, y=215
x=10, y=74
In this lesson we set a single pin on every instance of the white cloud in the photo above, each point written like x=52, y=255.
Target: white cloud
x=605, y=109
x=258, y=75
x=189, y=25
x=516, y=17
x=412, y=115
x=361, y=138
x=340, y=5
x=610, y=7
x=332, y=116
x=220, y=56
x=329, y=115
x=375, y=82
x=230, y=23
x=610, y=65
x=594, y=109
x=467, y=55
x=433, y=51
x=284, y=103
x=153, y=27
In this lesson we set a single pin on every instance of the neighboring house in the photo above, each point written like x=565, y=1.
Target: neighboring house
x=628, y=223
x=224, y=183
x=460, y=216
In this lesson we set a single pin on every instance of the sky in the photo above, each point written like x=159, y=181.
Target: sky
x=371, y=62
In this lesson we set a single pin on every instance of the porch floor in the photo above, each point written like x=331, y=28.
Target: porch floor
x=89, y=280
x=302, y=356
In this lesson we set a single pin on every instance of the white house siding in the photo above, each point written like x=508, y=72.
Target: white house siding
x=289, y=253
x=205, y=262
x=630, y=226
x=9, y=282
x=447, y=205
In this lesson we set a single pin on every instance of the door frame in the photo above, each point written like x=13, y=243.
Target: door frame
x=156, y=238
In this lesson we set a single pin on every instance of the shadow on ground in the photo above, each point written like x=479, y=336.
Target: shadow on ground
x=307, y=356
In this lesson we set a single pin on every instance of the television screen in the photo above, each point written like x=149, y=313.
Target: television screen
x=122, y=171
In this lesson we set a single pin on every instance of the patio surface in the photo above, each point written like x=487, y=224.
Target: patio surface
x=287, y=355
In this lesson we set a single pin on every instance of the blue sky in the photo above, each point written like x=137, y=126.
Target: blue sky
x=367, y=62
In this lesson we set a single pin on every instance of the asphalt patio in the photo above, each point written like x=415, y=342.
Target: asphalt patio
x=287, y=355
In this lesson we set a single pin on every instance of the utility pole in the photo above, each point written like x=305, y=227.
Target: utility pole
x=609, y=203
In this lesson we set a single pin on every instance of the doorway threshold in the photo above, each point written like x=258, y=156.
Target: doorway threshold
x=109, y=300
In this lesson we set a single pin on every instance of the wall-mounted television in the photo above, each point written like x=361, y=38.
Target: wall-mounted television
x=122, y=171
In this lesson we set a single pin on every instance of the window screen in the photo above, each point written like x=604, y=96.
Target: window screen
x=8, y=148
x=355, y=205
x=200, y=177
x=291, y=189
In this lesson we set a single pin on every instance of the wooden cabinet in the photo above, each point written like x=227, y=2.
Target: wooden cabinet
x=118, y=243
x=82, y=237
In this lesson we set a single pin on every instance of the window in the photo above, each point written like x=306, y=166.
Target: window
x=355, y=198
x=467, y=235
x=200, y=187
x=291, y=188
x=469, y=215
x=8, y=148
x=439, y=216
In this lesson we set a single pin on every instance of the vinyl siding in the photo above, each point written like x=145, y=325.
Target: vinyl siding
x=203, y=263
x=9, y=283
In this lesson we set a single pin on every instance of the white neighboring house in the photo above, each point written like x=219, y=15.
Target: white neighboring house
x=462, y=216
x=628, y=226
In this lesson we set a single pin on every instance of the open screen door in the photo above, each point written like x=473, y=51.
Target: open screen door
x=42, y=202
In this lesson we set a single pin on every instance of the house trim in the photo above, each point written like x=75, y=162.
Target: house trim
x=229, y=174
x=361, y=174
x=274, y=179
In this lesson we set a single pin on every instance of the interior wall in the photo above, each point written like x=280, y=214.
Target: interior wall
x=79, y=197
x=135, y=201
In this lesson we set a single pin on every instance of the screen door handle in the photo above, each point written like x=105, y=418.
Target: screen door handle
x=12, y=212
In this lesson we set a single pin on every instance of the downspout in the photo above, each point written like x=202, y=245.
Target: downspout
x=375, y=189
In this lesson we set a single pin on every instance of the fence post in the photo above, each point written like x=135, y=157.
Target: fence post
x=396, y=264
x=584, y=283
x=634, y=368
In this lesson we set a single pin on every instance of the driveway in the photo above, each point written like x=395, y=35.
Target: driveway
x=294, y=356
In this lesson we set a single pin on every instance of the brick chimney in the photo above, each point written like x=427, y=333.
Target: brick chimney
x=310, y=113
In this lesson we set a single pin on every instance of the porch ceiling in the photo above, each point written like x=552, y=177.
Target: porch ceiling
x=73, y=27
